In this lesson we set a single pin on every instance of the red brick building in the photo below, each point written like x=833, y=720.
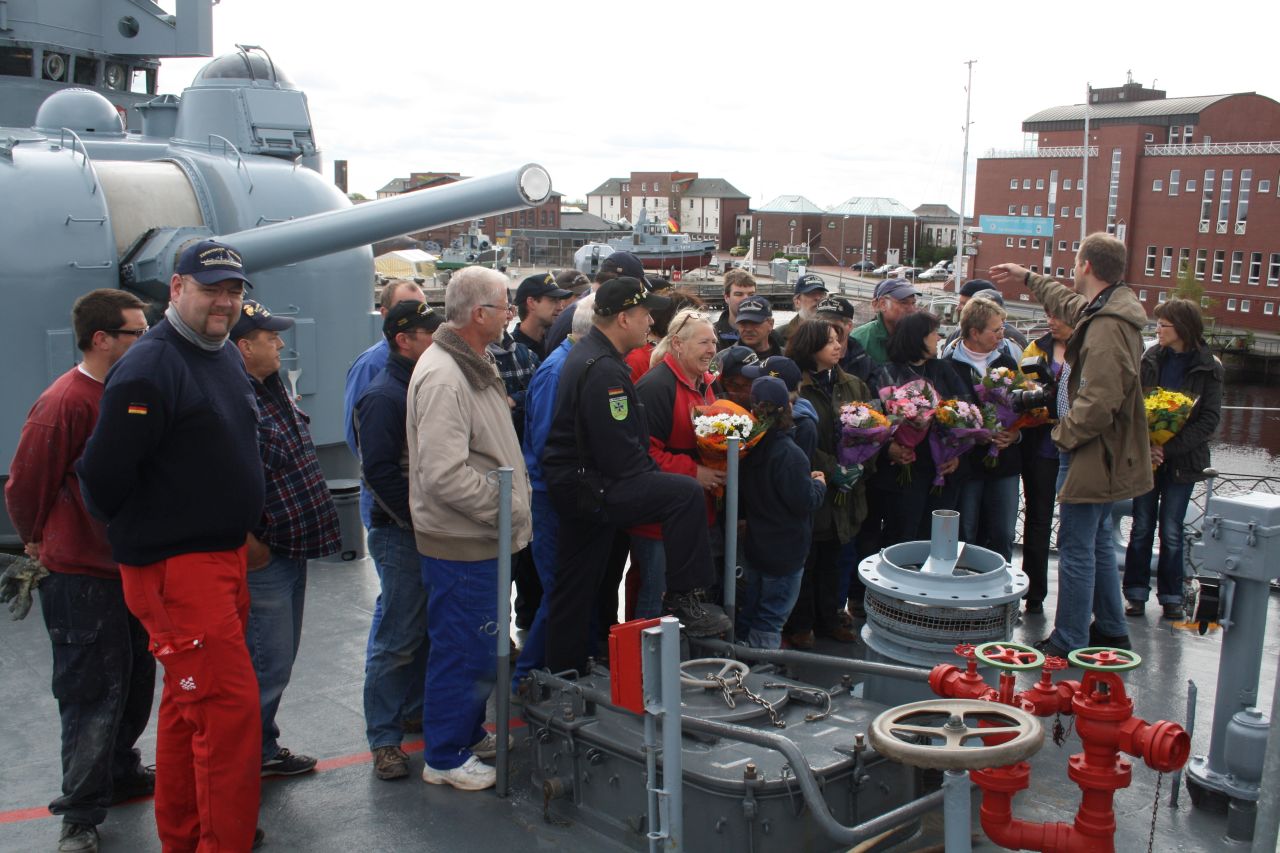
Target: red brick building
x=545, y=215
x=705, y=208
x=788, y=224
x=1185, y=182
x=879, y=230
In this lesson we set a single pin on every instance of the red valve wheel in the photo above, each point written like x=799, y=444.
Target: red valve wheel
x=1009, y=656
x=1055, y=663
x=1105, y=659
x=964, y=650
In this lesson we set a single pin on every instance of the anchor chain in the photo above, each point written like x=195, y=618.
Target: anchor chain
x=728, y=687
x=1155, y=810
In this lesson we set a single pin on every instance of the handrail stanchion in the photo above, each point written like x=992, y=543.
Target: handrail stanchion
x=731, y=534
x=660, y=665
x=504, y=628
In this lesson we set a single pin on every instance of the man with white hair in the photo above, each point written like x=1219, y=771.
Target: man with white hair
x=460, y=430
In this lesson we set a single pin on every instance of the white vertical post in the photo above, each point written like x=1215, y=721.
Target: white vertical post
x=964, y=179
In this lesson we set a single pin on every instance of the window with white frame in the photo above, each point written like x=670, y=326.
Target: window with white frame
x=1255, y=267
x=1022, y=242
x=1231, y=305
x=1157, y=186
x=1008, y=242
x=1062, y=245
x=1013, y=183
x=1264, y=185
x=1039, y=211
x=1039, y=183
x=1164, y=296
x=1142, y=296
x=1035, y=244
x=1079, y=210
x=1206, y=197
x=1026, y=183
x=1242, y=206
x=1025, y=209
x=1184, y=261
x=1058, y=274
x=1202, y=259
x=1151, y=260
x=1244, y=306
x=1273, y=270
x=1066, y=183
x=1166, y=262
x=1191, y=185
x=1268, y=308
x=1219, y=262
x=1237, y=265
x=1175, y=178
x=1204, y=302
x=1013, y=210
x=1075, y=245
x=1224, y=197
x=1035, y=269
x=1071, y=274
x=1066, y=211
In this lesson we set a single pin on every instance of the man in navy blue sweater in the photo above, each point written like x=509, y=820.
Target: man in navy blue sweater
x=397, y=660
x=173, y=469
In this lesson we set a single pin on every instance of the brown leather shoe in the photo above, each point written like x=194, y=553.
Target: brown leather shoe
x=842, y=634
x=390, y=762
x=800, y=640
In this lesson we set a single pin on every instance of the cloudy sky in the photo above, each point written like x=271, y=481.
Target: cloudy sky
x=823, y=99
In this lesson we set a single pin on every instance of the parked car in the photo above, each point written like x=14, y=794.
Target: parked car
x=884, y=269
x=862, y=266
x=738, y=251
x=934, y=274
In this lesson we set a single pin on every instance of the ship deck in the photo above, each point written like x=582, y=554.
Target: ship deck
x=343, y=807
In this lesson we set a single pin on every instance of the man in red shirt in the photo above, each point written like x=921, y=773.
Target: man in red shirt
x=103, y=672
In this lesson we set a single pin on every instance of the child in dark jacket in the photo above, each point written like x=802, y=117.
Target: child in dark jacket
x=779, y=496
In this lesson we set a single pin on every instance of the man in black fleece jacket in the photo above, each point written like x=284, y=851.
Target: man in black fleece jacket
x=173, y=469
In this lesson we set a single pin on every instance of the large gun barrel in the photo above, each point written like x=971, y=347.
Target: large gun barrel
x=282, y=243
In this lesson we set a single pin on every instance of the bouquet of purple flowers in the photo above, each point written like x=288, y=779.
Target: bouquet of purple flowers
x=957, y=425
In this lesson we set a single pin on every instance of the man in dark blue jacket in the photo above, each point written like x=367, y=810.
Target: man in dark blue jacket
x=173, y=469
x=398, y=636
x=600, y=428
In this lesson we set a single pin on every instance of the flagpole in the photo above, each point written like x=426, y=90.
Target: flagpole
x=1084, y=174
x=958, y=275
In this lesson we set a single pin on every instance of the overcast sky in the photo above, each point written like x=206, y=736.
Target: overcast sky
x=826, y=100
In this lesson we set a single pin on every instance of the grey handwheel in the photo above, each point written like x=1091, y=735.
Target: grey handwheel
x=724, y=668
x=955, y=733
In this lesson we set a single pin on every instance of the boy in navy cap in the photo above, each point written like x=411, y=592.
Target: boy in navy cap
x=779, y=497
x=805, y=433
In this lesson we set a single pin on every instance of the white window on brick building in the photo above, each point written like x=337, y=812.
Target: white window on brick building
x=1244, y=306
x=1175, y=178
x=1142, y=296
x=1062, y=245
x=1255, y=267
x=1219, y=262
x=1166, y=262
x=1035, y=244
x=1157, y=186
x=1237, y=265
x=1008, y=242
x=1013, y=210
x=1268, y=308
x=1151, y=260
x=1191, y=185
x=1058, y=274
x=1026, y=183
x=1231, y=305
x=1066, y=183
x=1039, y=210
x=1039, y=183
x=1202, y=259
x=1066, y=211
x=1022, y=242
x=1164, y=296
x=1079, y=211
x=1273, y=270
x=1025, y=209
x=1013, y=183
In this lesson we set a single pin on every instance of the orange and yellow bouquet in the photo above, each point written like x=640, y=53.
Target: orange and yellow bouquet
x=714, y=424
x=1167, y=414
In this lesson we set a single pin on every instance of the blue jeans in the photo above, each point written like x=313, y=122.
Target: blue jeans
x=766, y=603
x=546, y=535
x=393, y=676
x=988, y=512
x=1088, y=582
x=103, y=678
x=277, y=593
x=463, y=667
x=1167, y=502
x=649, y=557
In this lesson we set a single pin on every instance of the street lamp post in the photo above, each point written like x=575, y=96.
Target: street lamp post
x=843, y=221
x=864, y=239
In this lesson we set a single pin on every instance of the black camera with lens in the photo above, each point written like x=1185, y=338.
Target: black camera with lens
x=1038, y=370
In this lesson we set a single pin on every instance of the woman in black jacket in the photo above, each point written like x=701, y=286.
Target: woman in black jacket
x=1179, y=361
x=913, y=354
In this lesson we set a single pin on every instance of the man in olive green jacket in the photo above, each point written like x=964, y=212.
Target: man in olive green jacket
x=1101, y=433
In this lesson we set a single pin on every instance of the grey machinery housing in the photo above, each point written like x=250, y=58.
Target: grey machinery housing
x=91, y=205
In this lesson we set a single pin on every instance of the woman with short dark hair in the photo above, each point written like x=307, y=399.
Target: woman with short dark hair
x=1178, y=361
x=816, y=347
x=913, y=354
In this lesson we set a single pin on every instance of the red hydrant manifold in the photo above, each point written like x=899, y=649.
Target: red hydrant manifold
x=1104, y=722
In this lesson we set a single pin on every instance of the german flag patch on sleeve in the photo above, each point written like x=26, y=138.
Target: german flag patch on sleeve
x=137, y=409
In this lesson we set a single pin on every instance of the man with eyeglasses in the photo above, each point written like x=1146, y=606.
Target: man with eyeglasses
x=395, y=666
x=103, y=674
x=173, y=468
x=460, y=431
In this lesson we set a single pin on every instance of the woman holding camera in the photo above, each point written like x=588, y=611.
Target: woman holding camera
x=1180, y=360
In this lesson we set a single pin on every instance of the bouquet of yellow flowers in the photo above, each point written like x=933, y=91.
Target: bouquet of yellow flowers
x=1167, y=414
x=714, y=424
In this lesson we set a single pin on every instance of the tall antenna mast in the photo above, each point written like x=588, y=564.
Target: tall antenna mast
x=964, y=177
x=1084, y=173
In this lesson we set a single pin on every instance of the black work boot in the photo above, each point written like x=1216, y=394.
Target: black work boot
x=697, y=617
x=78, y=838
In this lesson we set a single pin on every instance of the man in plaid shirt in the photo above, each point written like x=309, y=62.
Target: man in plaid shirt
x=299, y=522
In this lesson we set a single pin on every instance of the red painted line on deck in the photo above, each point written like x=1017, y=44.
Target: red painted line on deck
x=336, y=763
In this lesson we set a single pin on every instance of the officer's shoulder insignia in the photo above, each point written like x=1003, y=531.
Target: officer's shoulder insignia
x=619, y=405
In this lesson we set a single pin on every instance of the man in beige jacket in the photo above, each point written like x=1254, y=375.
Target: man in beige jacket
x=459, y=426
x=1101, y=434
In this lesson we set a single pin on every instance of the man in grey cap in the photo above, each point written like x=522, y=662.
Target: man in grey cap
x=299, y=523
x=894, y=298
x=810, y=290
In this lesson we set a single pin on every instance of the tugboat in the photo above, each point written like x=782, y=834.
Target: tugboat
x=658, y=248
x=475, y=248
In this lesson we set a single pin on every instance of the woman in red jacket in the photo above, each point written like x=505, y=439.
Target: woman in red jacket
x=676, y=383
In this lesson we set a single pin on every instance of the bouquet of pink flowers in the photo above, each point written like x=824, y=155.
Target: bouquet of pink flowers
x=957, y=425
x=909, y=408
x=863, y=432
x=996, y=392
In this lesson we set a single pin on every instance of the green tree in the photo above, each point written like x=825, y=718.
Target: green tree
x=1189, y=288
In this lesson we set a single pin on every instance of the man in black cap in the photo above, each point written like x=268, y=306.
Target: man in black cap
x=810, y=290
x=299, y=523
x=397, y=650
x=894, y=298
x=616, y=265
x=839, y=311
x=173, y=468
x=601, y=477
x=755, y=327
x=539, y=301
x=980, y=287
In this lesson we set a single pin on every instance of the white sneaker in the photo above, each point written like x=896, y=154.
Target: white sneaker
x=488, y=746
x=472, y=775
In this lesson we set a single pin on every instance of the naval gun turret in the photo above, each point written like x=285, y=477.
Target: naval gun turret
x=235, y=157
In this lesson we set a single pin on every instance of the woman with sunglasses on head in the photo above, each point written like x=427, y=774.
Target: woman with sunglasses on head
x=676, y=383
x=641, y=359
x=816, y=347
x=1179, y=360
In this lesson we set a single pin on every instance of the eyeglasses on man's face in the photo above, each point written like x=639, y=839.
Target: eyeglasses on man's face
x=137, y=333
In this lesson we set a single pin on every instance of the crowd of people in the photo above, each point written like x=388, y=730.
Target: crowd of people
x=587, y=388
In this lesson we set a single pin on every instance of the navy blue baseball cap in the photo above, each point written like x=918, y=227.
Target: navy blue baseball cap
x=768, y=389
x=254, y=316
x=754, y=309
x=809, y=282
x=210, y=262
x=777, y=366
x=623, y=264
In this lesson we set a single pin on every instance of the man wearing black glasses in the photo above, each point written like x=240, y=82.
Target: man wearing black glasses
x=103, y=675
